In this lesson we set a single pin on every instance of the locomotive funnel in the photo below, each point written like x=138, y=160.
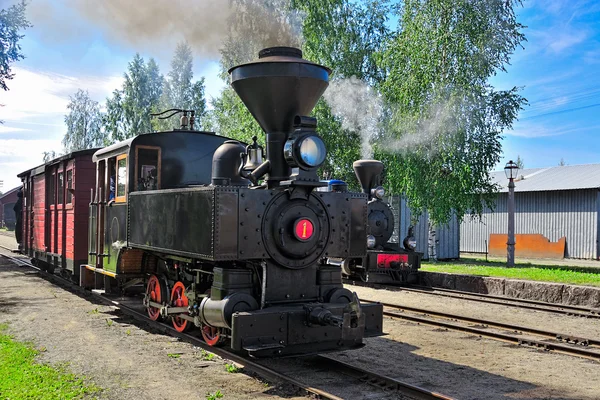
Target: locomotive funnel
x=276, y=88
x=368, y=173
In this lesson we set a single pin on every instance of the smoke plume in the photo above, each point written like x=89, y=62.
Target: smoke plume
x=154, y=24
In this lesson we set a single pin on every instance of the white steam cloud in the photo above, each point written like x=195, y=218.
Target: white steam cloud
x=361, y=109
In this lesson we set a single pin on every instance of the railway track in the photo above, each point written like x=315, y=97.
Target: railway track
x=552, y=341
x=565, y=309
x=382, y=382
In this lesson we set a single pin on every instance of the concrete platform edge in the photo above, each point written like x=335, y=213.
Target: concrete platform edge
x=521, y=289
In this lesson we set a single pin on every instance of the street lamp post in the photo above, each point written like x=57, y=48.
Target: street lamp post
x=511, y=169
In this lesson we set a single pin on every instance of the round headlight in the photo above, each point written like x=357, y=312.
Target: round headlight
x=371, y=241
x=378, y=192
x=312, y=151
x=410, y=243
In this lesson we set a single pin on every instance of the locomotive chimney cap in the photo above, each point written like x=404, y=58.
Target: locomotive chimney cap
x=278, y=86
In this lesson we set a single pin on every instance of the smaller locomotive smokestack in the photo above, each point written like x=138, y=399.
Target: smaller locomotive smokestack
x=368, y=173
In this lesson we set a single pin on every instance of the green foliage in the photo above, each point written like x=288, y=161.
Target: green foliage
x=179, y=90
x=520, y=162
x=206, y=356
x=128, y=110
x=174, y=355
x=521, y=271
x=109, y=322
x=214, y=396
x=447, y=120
x=12, y=21
x=49, y=155
x=23, y=378
x=84, y=123
x=231, y=368
x=232, y=119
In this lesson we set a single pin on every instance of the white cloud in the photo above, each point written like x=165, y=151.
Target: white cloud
x=532, y=131
x=9, y=129
x=565, y=40
x=36, y=94
x=18, y=155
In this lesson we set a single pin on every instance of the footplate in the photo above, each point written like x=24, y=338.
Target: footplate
x=285, y=331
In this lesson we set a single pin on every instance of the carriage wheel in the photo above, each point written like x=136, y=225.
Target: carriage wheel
x=156, y=291
x=179, y=299
x=211, y=335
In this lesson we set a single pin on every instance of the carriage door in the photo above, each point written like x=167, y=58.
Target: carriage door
x=49, y=208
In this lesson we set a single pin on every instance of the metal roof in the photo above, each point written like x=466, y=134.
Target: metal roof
x=567, y=177
x=3, y=195
x=40, y=168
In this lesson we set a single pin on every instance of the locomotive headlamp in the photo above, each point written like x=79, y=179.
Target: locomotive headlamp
x=305, y=151
x=409, y=241
x=371, y=241
x=378, y=192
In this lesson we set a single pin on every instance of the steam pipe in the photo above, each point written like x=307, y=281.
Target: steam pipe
x=280, y=170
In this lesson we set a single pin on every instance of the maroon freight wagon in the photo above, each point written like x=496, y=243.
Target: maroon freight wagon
x=7, y=202
x=56, y=198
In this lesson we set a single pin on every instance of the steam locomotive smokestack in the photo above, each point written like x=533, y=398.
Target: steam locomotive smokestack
x=276, y=88
x=368, y=173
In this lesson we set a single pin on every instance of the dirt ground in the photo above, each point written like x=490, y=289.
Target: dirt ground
x=470, y=367
x=95, y=341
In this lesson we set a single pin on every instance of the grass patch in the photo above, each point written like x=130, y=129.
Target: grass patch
x=531, y=272
x=23, y=378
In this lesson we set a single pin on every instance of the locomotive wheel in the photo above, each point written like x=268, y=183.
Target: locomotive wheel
x=156, y=291
x=211, y=335
x=179, y=299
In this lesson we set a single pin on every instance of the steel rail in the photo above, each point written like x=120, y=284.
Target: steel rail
x=594, y=311
x=564, y=309
x=565, y=337
x=382, y=381
x=368, y=377
x=549, y=346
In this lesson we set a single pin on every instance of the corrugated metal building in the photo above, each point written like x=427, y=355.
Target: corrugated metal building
x=447, y=236
x=554, y=202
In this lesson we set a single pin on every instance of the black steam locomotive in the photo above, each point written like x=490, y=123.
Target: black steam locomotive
x=385, y=262
x=238, y=249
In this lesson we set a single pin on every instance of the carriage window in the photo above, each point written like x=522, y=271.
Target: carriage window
x=121, y=179
x=69, y=186
x=61, y=188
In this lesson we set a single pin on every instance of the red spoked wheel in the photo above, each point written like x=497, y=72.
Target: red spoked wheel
x=155, y=291
x=179, y=299
x=211, y=335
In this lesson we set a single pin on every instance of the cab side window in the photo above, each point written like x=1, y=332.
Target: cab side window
x=121, y=183
x=148, y=165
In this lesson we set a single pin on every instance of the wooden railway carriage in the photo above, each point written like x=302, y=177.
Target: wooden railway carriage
x=56, y=196
x=152, y=161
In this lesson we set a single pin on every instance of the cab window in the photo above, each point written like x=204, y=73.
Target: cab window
x=147, y=172
x=121, y=184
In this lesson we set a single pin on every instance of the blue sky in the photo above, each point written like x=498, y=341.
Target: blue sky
x=559, y=70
